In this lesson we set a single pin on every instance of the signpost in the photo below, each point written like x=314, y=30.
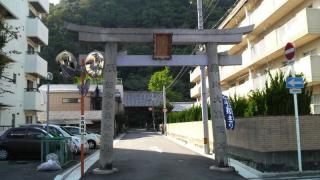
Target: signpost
x=294, y=83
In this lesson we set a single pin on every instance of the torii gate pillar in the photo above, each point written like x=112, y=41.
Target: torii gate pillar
x=108, y=103
x=216, y=107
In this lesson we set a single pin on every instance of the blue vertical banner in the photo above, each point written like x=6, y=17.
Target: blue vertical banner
x=228, y=113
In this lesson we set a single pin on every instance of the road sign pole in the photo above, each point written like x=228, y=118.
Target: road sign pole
x=82, y=114
x=296, y=112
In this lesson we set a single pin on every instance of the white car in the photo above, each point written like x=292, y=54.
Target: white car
x=93, y=139
x=58, y=131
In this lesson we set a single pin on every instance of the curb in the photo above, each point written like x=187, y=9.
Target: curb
x=73, y=173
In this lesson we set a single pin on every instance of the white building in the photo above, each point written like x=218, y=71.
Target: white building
x=276, y=23
x=21, y=99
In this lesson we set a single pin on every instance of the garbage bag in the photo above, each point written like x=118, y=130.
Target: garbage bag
x=50, y=165
x=53, y=157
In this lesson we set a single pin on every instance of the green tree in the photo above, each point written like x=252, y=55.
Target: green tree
x=278, y=99
x=163, y=78
x=160, y=79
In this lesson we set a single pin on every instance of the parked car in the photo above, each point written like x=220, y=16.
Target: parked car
x=58, y=131
x=22, y=142
x=92, y=138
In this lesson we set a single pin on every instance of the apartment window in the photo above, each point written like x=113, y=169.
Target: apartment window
x=70, y=100
x=315, y=99
x=14, y=78
x=96, y=103
x=30, y=49
x=30, y=87
x=13, y=120
x=28, y=119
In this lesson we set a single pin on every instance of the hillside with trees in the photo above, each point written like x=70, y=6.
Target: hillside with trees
x=128, y=14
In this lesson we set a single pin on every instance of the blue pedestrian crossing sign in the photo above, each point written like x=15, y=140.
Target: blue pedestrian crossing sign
x=295, y=82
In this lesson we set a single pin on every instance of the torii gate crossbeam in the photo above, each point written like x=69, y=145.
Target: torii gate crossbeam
x=112, y=36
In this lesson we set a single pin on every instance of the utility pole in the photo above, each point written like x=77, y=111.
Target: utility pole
x=204, y=109
x=164, y=111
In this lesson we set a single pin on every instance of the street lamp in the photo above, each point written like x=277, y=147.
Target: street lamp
x=93, y=66
x=49, y=78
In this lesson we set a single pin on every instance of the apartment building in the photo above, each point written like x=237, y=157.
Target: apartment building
x=64, y=104
x=276, y=22
x=20, y=98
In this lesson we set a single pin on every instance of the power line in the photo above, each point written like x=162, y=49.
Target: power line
x=215, y=5
x=183, y=69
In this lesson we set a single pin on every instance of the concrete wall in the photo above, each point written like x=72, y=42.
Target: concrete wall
x=190, y=132
x=265, y=143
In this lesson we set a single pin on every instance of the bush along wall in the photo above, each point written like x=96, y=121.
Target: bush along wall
x=275, y=99
x=192, y=114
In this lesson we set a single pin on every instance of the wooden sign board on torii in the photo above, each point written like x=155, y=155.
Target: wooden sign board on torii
x=210, y=37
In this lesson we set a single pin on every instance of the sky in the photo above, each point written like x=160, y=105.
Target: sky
x=54, y=1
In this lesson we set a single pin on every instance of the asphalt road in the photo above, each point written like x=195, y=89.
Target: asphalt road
x=144, y=155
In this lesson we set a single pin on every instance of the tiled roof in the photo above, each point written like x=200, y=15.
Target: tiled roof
x=180, y=106
x=142, y=99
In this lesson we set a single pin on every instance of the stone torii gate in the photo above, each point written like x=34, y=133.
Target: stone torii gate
x=210, y=37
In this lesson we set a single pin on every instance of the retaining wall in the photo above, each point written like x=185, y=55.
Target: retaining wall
x=265, y=143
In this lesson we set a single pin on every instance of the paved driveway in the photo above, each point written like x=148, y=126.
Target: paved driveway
x=149, y=156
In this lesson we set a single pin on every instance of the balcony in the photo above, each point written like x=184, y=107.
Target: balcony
x=33, y=100
x=301, y=29
x=195, y=74
x=309, y=66
x=195, y=91
x=267, y=13
x=240, y=90
x=37, y=31
x=8, y=9
x=42, y=6
x=35, y=65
